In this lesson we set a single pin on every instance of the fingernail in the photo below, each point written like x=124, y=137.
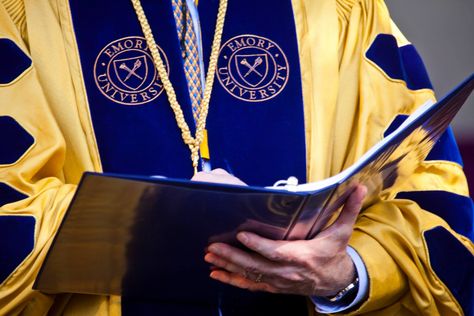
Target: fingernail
x=364, y=190
x=208, y=258
x=215, y=249
x=243, y=237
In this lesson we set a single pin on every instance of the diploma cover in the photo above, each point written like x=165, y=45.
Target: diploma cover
x=146, y=236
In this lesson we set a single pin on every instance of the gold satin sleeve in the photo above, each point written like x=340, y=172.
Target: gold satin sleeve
x=37, y=174
x=46, y=103
x=348, y=113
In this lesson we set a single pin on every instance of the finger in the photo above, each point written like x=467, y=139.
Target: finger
x=344, y=224
x=252, y=263
x=200, y=176
x=239, y=281
x=219, y=171
x=217, y=176
x=221, y=263
x=270, y=249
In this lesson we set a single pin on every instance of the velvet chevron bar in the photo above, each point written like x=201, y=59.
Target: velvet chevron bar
x=444, y=149
x=13, y=61
x=9, y=194
x=400, y=63
x=456, y=210
x=453, y=263
x=17, y=238
x=16, y=144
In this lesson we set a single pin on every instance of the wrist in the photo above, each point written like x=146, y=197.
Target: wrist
x=346, y=294
x=345, y=274
x=339, y=274
x=351, y=286
x=352, y=299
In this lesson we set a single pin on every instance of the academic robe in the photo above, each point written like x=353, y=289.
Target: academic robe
x=341, y=75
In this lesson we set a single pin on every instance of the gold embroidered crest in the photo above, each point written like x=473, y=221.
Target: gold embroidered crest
x=124, y=72
x=252, y=68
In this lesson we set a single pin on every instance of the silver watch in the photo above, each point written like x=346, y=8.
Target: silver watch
x=344, y=292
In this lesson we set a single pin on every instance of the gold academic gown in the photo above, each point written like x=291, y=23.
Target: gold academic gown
x=349, y=102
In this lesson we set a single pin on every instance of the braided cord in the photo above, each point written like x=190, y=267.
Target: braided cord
x=192, y=142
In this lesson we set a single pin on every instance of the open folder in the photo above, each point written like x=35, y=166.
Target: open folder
x=145, y=236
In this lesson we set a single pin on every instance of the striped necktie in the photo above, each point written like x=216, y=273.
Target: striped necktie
x=189, y=50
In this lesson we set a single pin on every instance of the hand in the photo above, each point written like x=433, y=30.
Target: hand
x=217, y=176
x=316, y=267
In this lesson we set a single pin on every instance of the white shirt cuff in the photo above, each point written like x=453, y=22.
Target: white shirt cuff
x=324, y=306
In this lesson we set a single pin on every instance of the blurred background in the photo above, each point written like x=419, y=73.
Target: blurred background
x=443, y=33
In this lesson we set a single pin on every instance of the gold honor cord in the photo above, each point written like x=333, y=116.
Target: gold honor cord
x=192, y=142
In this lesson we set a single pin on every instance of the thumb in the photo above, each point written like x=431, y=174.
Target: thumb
x=344, y=224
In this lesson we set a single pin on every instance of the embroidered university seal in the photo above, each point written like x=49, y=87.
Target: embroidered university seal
x=125, y=73
x=252, y=68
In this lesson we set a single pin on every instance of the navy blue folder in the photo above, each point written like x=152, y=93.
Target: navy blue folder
x=146, y=237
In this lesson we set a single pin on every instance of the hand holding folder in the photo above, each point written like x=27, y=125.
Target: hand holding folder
x=316, y=267
x=132, y=235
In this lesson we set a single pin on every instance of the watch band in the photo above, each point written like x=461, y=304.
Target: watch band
x=345, y=291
